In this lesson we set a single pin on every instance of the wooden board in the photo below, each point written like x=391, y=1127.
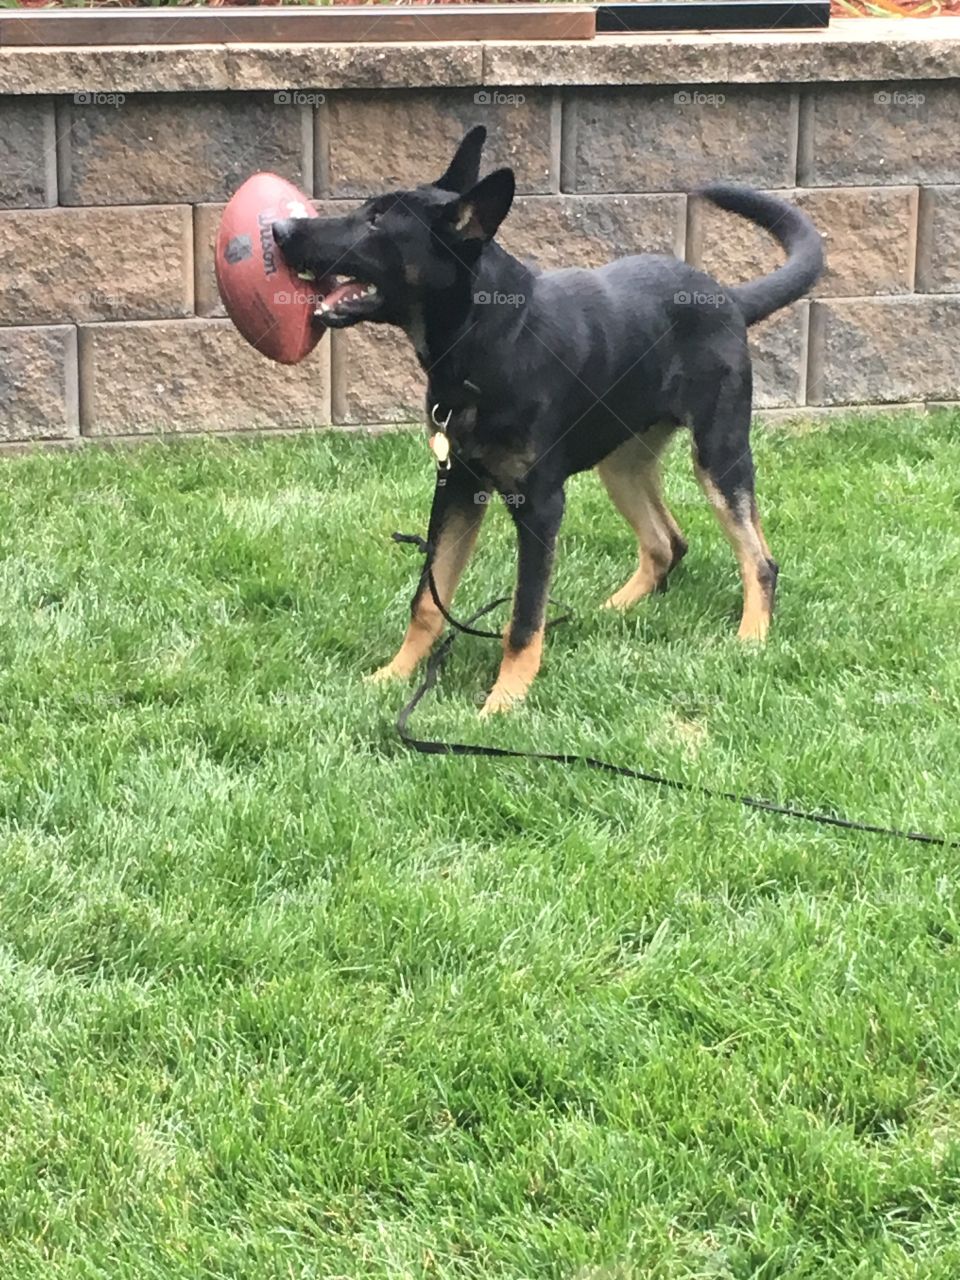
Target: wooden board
x=307, y=25
x=714, y=15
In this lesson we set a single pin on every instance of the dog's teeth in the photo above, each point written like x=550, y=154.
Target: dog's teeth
x=306, y=275
x=370, y=290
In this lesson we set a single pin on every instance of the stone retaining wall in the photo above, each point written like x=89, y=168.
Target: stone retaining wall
x=110, y=323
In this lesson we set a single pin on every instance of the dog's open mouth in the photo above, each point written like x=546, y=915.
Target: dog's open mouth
x=342, y=299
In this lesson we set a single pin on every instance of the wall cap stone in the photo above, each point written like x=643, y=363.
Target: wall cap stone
x=849, y=50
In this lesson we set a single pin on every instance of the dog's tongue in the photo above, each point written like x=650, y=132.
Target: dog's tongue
x=334, y=293
x=329, y=292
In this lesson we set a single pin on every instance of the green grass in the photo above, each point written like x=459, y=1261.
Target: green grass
x=282, y=1000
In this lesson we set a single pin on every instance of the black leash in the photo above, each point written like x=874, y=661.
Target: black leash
x=414, y=540
x=430, y=747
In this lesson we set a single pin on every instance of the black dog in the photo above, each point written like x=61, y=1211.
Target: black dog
x=538, y=376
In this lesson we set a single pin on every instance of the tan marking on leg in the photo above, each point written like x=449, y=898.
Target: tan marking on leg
x=750, y=548
x=631, y=475
x=517, y=670
x=453, y=551
x=755, y=517
x=678, y=541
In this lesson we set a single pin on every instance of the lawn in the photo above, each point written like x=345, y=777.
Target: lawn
x=281, y=999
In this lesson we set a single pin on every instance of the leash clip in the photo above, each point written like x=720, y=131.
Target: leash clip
x=440, y=441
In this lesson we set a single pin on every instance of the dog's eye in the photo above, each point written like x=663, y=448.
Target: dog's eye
x=373, y=217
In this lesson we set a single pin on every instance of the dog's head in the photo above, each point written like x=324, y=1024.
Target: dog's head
x=381, y=261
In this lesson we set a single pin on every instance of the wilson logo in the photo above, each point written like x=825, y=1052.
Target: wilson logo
x=268, y=247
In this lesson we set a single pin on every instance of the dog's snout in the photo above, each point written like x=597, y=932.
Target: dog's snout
x=282, y=231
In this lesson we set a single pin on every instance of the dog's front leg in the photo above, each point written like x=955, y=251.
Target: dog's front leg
x=455, y=517
x=538, y=521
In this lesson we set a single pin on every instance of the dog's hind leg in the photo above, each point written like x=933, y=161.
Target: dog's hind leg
x=723, y=462
x=631, y=475
x=455, y=520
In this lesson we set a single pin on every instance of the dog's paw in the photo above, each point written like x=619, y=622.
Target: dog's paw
x=753, y=631
x=620, y=600
x=499, y=701
x=632, y=592
x=387, y=674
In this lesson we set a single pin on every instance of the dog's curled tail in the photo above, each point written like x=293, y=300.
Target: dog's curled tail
x=796, y=233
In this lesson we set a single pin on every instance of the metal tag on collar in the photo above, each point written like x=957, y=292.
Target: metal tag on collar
x=440, y=441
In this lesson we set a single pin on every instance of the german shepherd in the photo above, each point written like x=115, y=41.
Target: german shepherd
x=538, y=375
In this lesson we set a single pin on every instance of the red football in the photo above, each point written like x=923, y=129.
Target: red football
x=267, y=302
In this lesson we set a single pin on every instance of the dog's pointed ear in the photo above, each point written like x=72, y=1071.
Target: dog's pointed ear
x=478, y=214
x=464, y=168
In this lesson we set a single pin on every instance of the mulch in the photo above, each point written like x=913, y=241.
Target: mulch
x=838, y=8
